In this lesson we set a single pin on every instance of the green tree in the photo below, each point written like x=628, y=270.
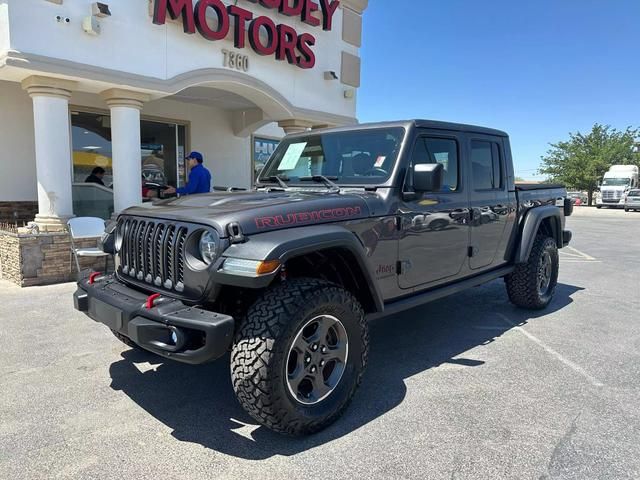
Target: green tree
x=582, y=161
x=519, y=179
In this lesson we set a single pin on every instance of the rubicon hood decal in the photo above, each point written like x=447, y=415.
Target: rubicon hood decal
x=309, y=217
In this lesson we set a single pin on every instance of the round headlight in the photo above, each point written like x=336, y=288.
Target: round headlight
x=209, y=246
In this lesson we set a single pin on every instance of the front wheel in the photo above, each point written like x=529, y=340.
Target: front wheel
x=299, y=356
x=532, y=285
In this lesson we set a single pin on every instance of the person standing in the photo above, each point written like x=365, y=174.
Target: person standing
x=97, y=174
x=199, y=177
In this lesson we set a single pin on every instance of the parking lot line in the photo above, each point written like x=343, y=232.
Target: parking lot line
x=576, y=254
x=575, y=367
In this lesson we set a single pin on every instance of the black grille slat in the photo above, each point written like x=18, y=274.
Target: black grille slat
x=179, y=251
x=158, y=253
x=153, y=252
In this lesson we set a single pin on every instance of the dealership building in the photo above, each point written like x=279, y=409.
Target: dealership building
x=132, y=86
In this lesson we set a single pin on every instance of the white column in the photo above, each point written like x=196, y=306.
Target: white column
x=294, y=126
x=125, y=146
x=53, y=150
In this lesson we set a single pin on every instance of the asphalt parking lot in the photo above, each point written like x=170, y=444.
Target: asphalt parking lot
x=468, y=387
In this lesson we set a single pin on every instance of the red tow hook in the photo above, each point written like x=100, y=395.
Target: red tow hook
x=93, y=276
x=151, y=299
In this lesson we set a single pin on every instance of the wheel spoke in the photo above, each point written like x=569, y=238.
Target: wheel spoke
x=320, y=389
x=338, y=353
x=324, y=325
x=301, y=345
x=295, y=379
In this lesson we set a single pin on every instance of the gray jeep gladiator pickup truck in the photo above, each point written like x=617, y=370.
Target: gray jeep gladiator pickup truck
x=343, y=225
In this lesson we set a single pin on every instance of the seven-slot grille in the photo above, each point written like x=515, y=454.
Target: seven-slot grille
x=153, y=252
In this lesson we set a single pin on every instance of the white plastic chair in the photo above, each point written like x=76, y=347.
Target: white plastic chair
x=86, y=227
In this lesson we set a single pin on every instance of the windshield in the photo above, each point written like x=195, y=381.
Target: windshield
x=634, y=193
x=358, y=157
x=616, y=182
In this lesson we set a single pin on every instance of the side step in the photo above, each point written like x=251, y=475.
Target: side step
x=439, y=292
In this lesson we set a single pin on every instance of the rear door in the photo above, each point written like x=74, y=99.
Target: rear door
x=492, y=205
x=434, y=235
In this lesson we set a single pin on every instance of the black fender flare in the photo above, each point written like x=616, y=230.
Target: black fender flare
x=530, y=225
x=284, y=245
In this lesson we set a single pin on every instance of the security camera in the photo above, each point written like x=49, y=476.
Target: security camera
x=99, y=9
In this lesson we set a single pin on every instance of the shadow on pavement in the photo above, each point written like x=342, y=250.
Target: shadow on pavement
x=198, y=403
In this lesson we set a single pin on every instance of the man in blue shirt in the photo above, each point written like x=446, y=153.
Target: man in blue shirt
x=199, y=177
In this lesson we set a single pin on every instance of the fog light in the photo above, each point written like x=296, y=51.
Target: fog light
x=174, y=337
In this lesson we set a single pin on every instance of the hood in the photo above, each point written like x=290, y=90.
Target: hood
x=261, y=211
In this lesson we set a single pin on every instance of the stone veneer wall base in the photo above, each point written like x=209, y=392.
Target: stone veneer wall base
x=43, y=259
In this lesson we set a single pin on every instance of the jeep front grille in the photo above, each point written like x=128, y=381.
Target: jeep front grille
x=153, y=252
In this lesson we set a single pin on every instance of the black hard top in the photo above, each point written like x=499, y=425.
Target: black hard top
x=430, y=124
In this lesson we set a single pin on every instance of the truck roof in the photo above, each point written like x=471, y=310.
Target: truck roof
x=623, y=168
x=431, y=124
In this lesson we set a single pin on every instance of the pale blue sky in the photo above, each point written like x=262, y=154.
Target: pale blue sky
x=535, y=69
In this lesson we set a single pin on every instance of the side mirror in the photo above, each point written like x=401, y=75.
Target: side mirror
x=427, y=177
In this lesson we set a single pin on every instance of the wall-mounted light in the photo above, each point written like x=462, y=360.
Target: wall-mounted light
x=91, y=25
x=99, y=9
x=330, y=75
x=349, y=93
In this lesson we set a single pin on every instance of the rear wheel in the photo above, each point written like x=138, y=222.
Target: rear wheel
x=532, y=285
x=299, y=356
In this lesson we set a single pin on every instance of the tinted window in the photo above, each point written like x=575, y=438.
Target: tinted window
x=486, y=164
x=439, y=150
x=634, y=193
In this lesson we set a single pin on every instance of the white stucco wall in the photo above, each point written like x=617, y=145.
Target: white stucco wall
x=129, y=42
x=17, y=149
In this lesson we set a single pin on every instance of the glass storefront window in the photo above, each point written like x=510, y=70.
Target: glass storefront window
x=162, y=159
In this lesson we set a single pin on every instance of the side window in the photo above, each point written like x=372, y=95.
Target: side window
x=439, y=150
x=486, y=165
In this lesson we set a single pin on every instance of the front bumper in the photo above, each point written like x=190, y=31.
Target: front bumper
x=170, y=328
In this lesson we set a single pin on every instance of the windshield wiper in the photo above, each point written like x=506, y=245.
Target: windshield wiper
x=322, y=179
x=280, y=179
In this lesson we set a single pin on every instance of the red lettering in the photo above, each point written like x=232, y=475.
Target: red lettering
x=309, y=7
x=242, y=16
x=307, y=58
x=270, y=3
x=291, y=10
x=254, y=36
x=175, y=9
x=329, y=8
x=264, y=222
x=201, y=19
x=287, y=43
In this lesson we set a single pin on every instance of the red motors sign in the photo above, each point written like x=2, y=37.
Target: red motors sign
x=280, y=40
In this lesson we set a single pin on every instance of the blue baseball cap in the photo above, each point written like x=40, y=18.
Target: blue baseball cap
x=196, y=156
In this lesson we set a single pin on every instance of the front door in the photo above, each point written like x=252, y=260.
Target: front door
x=434, y=238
